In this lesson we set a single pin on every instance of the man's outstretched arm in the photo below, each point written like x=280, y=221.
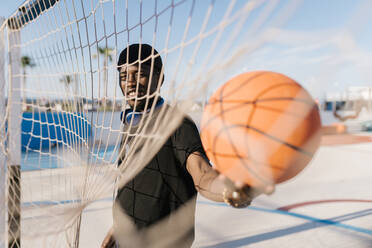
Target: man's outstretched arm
x=214, y=186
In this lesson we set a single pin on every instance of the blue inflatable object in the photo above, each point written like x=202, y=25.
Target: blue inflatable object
x=41, y=130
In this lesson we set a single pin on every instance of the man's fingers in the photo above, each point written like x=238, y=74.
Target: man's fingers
x=267, y=189
x=109, y=241
x=109, y=244
x=239, y=184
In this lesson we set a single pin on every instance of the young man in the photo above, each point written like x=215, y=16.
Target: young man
x=179, y=169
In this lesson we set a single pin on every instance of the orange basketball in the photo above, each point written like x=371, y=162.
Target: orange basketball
x=260, y=128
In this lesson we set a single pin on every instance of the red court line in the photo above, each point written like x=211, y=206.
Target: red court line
x=344, y=139
x=302, y=204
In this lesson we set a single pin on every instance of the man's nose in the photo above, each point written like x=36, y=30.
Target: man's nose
x=130, y=81
x=131, y=78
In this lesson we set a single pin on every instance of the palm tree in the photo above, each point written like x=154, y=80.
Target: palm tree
x=67, y=81
x=26, y=61
x=106, y=53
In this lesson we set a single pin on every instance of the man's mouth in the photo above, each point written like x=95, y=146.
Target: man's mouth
x=135, y=94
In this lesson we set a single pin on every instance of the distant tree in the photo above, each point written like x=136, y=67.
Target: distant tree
x=67, y=80
x=26, y=62
x=106, y=53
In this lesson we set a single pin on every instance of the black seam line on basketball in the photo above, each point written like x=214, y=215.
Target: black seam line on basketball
x=249, y=119
x=309, y=102
x=256, y=164
x=222, y=118
x=219, y=114
x=166, y=183
x=280, y=111
x=233, y=108
x=225, y=128
x=228, y=134
x=247, y=81
x=227, y=94
x=273, y=99
x=274, y=87
x=223, y=111
x=243, y=104
x=276, y=139
x=260, y=94
x=257, y=130
x=251, y=159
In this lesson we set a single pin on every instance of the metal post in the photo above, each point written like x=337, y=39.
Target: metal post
x=14, y=138
x=2, y=139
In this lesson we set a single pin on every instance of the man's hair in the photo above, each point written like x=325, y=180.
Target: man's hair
x=142, y=53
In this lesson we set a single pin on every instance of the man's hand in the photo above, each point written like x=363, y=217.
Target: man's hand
x=240, y=195
x=216, y=187
x=109, y=241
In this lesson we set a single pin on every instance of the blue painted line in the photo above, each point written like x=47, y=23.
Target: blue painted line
x=39, y=203
x=301, y=216
x=274, y=211
x=36, y=203
x=323, y=221
x=353, y=215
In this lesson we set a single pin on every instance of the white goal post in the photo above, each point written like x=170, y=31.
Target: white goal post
x=11, y=136
x=2, y=134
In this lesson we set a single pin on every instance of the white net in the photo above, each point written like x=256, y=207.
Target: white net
x=60, y=93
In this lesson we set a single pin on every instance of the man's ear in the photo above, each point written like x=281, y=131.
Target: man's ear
x=162, y=80
x=157, y=78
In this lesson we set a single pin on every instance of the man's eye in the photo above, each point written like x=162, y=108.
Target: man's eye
x=123, y=76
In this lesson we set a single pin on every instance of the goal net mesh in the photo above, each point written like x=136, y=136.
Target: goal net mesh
x=60, y=84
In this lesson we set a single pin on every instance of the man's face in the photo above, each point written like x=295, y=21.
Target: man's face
x=129, y=76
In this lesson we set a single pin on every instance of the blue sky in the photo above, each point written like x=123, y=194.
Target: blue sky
x=323, y=44
x=9, y=6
